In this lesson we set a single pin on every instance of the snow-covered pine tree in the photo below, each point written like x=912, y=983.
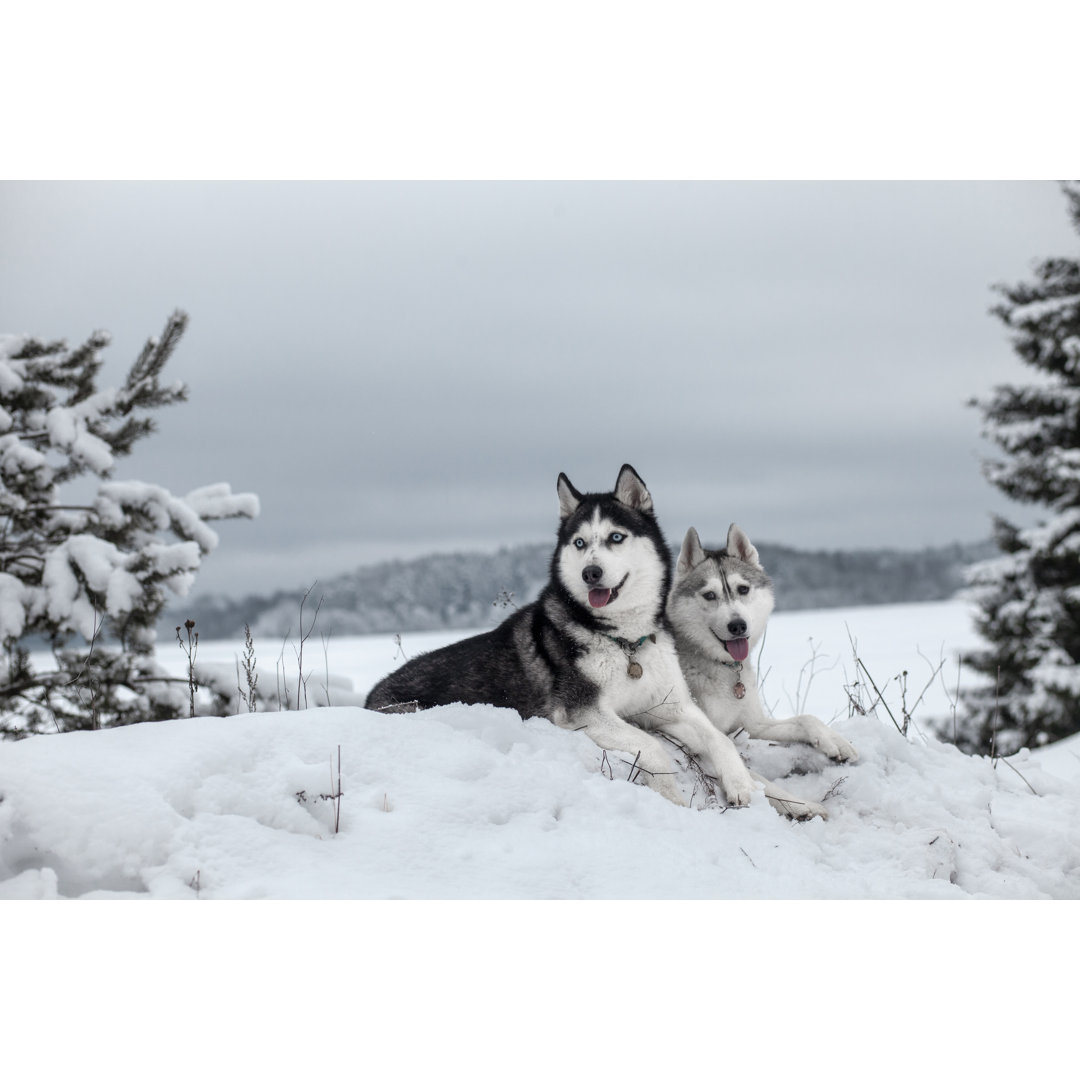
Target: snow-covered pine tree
x=1029, y=597
x=89, y=576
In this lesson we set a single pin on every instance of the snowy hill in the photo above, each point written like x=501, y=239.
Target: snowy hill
x=458, y=591
x=471, y=802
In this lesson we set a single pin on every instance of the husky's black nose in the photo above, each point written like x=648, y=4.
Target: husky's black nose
x=737, y=627
x=592, y=575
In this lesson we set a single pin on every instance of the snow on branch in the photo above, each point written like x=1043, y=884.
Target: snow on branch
x=160, y=509
x=216, y=501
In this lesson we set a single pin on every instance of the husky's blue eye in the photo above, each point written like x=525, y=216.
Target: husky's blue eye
x=617, y=538
x=579, y=544
x=710, y=595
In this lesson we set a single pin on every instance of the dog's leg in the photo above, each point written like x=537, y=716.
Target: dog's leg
x=715, y=750
x=803, y=729
x=751, y=717
x=643, y=752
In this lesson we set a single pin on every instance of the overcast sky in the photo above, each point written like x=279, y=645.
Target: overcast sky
x=398, y=368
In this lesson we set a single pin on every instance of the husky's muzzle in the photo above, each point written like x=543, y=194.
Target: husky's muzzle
x=599, y=596
x=738, y=646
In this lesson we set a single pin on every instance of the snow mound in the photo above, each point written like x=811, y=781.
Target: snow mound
x=471, y=802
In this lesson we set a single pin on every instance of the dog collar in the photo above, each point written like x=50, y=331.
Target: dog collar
x=633, y=668
x=631, y=645
x=739, y=689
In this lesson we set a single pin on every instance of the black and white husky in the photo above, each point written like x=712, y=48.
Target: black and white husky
x=718, y=607
x=593, y=652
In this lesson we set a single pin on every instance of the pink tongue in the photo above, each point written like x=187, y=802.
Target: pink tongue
x=738, y=648
x=599, y=597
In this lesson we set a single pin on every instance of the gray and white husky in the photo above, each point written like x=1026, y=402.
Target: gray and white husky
x=593, y=652
x=718, y=608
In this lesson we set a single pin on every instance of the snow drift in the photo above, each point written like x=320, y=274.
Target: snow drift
x=471, y=802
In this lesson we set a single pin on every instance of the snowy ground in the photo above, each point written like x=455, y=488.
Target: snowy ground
x=472, y=803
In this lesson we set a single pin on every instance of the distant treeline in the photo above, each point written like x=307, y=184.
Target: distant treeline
x=462, y=591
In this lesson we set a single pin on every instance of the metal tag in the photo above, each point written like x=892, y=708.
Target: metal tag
x=634, y=670
x=740, y=691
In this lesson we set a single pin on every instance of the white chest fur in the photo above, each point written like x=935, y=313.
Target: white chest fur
x=607, y=664
x=714, y=686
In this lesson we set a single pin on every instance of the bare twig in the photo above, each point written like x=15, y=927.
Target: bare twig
x=250, y=674
x=997, y=706
x=301, y=682
x=880, y=696
x=605, y=763
x=337, y=794
x=837, y=785
x=707, y=782
x=1006, y=761
x=280, y=676
x=326, y=666
x=909, y=713
x=994, y=757
x=190, y=648
x=335, y=791
x=637, y=770
x=956, y=700
x=98, y=622
x=651, y=710
x=853, y=703
x=802, y=694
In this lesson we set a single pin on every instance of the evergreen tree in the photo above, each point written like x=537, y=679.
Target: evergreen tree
x=1029, y=596
x=90, y=578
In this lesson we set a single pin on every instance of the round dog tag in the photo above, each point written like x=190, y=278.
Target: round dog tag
x=740, y=691
x=634, y=670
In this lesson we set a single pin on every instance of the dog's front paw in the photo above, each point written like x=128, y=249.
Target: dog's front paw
x=839, y=749
x=739, y=790
x=666, y=786
x=831, y=744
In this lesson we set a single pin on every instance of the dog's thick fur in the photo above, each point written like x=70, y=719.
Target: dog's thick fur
x=568, y=655
x=718, y=607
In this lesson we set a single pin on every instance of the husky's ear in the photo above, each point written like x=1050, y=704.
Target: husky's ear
x=692, y=553
x=738, y=545
x=630, y=490
x=569, y=497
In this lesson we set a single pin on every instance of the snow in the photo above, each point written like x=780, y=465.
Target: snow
x=473, y=803
x=67, y=431
x=104, y=569
x=1026, y=316
x=16, y=457
x=12, y=606
x=163, y=509
x=12, y=372
x=218, y=501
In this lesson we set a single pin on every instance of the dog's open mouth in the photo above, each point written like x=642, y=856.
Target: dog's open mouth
x=603, y=597
x=738, y=648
